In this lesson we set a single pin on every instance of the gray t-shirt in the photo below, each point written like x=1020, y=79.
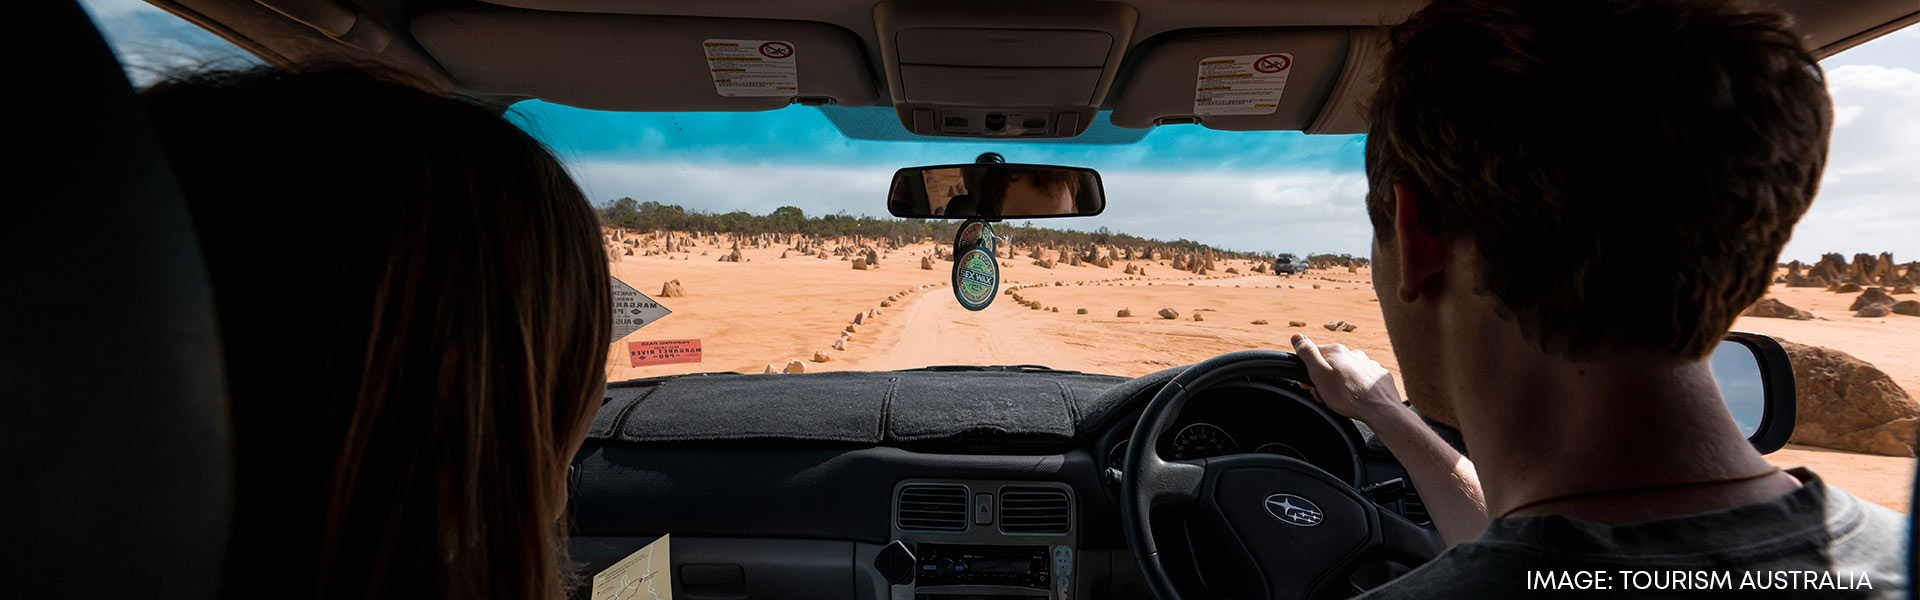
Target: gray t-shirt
x=1814, y=542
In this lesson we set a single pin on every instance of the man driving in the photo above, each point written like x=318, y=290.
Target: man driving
x=1572, y=201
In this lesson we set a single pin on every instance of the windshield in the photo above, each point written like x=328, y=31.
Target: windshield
x=1198, y=216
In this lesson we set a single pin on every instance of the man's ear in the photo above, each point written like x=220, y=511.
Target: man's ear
x=1423, y=257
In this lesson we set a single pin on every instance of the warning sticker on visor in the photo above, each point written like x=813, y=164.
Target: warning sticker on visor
x=1248, y=84
x=752, y=67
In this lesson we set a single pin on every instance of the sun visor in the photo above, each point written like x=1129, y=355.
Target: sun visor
x=1306, y=79
x=647, y=63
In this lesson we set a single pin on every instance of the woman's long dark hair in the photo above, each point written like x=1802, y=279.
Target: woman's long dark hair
x=415, y=310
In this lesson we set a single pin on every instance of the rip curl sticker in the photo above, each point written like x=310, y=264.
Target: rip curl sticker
x=973, y=234
x=975, y=279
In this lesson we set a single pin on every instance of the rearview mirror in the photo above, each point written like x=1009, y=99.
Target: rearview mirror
x=994, y=191
x=1756, y=381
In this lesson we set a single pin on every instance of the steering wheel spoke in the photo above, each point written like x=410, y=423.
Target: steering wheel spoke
x=1172, y=482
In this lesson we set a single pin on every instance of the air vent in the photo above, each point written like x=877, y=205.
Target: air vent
x=1035, y=510
x=933, y=507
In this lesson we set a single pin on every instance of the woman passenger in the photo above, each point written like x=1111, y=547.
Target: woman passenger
x=415, y=314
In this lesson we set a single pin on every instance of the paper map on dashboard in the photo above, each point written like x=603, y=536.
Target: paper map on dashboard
x=647, y=574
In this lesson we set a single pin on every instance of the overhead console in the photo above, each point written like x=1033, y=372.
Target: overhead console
x=1001, y=69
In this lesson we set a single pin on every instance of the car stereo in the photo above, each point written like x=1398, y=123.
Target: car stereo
x=956, y=564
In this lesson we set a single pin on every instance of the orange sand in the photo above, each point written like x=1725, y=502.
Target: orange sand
x=769, y=310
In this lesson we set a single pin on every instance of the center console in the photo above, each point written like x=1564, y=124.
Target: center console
x=987, y=539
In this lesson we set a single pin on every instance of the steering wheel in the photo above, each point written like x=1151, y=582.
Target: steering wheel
x=1304, y=530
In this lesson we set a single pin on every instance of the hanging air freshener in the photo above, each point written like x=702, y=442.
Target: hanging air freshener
x=976, y=273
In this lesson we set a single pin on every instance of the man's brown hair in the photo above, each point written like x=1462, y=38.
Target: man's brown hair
x=1627, y=171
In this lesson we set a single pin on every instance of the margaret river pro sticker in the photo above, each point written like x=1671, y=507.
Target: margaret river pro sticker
x=975, y=278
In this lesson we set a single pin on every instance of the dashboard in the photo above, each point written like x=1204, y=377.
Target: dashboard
x=1007, y=490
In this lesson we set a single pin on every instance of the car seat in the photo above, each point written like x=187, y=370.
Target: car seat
x=115, y=431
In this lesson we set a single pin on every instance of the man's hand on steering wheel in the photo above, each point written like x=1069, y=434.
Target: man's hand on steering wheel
x=1347, y=381
x=1359, y=388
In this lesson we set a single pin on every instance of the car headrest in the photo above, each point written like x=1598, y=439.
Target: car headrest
x=115, y=451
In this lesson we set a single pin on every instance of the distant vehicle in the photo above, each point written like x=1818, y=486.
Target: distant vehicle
x=1286, y=266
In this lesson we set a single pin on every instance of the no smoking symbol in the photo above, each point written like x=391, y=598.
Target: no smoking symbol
x=1272, y=63
x=776, y=50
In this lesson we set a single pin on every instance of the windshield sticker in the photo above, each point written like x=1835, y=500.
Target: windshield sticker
x=752, y=67
x=632, y=309
x=663, y=352
x=975, y=279
x=1248, y=84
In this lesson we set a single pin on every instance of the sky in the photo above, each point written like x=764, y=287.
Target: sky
x=1254, y=191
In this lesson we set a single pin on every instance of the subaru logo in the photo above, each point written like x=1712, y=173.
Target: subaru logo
x=1293, y=510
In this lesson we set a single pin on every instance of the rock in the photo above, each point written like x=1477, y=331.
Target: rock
x=1124, y=312
x=1168, y=313
x=1260, y=322
x=840, y=344
x=1910, y=308
x=860, y=264
x=1199, y=317
x=1316, y=286
x=770, y=369
x=1233, y=270
x=1846, y=288
x=1875, y=310
x=851, y=328
x=1902, y=289
x=859, y=318
x=886, y=304
x=1775, y=309
x=1080, y=312
x=926, y=263
x=821, y=356
x=1296, y=323
x=1044, y=263
x=1340, y=326
x=1847, y=404
x=672, y=289
x=1053, y=309
x=795, y=366
x=1870, y=297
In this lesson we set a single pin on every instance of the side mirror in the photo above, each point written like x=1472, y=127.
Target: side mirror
x=994, y=190
x=1756, y=381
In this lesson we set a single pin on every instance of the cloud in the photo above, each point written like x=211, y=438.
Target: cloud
x=1867, y=201
x=1286, y=212
x=152, y=44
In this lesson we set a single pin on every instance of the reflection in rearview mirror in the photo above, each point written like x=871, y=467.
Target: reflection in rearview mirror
x=1736, y=369
x=992, y=191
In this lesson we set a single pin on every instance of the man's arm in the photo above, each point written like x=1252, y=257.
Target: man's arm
x=1359, y=388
